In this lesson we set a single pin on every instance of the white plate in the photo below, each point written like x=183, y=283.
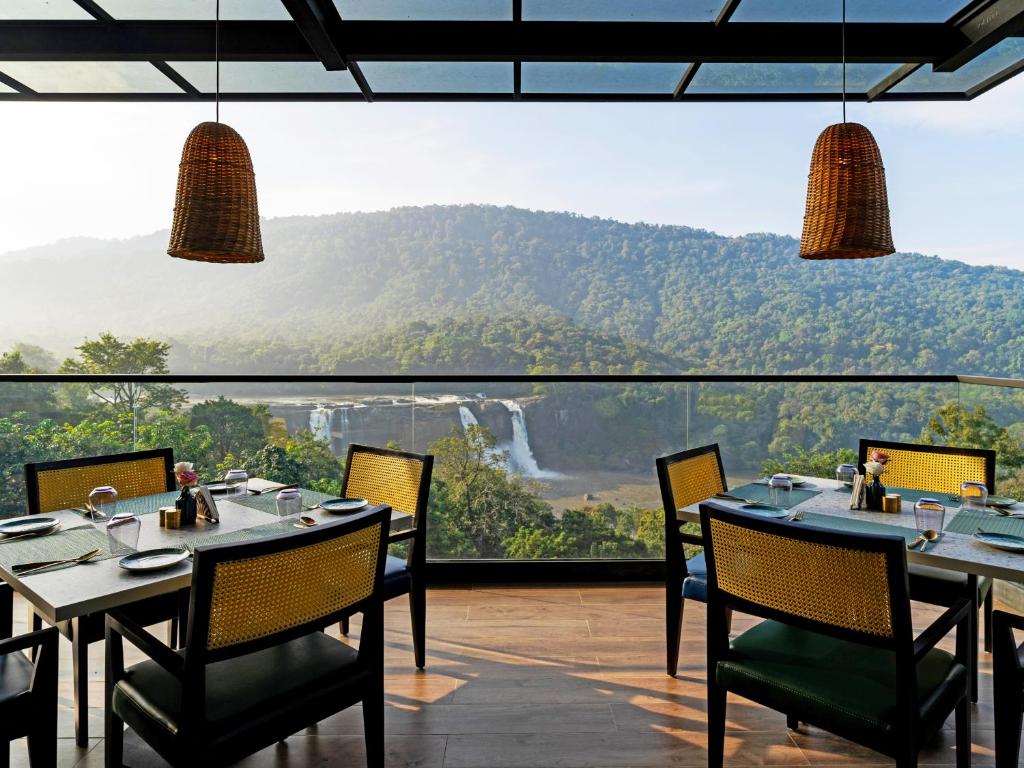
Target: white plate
x=153, y=559
x=342, y=506
x=29, y=524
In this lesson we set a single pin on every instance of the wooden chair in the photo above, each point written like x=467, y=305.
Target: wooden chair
x=55, y=485
x=28, y=696
x=1007, y=687
x=685, y=478
x=401, y=481
x=257, y=666
x=942, y=469
x=842, y=659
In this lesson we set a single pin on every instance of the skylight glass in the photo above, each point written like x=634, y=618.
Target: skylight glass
x=41, y=9
x=906, y=11
x=6, y=88
x=617, y=10
x=439, y=76
x=198, y=10
x=89, y=76
x=993, y=61
x=786, y=78
x=265, y=77
x=425, y=10
x=600, y=77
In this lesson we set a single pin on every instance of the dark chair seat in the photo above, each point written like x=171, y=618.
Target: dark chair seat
x=937, y=585
x=242, y=693
x=844, y=687
x=695, y=585
x=15, y=685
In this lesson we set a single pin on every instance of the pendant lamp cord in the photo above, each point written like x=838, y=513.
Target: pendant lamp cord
x=216, y=57
x=844, y=59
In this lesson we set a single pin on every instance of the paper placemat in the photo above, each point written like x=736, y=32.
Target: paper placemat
x=67, y=542
x=140, y=505
x=853, y=525
x=970, y=520
x=759, y=492
x=267, y=502
x=194, y=539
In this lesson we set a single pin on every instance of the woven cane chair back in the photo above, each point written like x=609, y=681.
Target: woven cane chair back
x=386, y=477
x=793, y=576
x=253, y=598
x=937, y=469
x=63, y=484
x=694, y=475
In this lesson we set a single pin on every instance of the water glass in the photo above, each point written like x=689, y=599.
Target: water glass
x=236, y=482
x=929, y=515
x=780, y=491
x=845, y=474
x=973, y=495
x=123, y=534
x=103, y=502
x=289, y=502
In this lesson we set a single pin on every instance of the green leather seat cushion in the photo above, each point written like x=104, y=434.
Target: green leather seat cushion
x=838, y=685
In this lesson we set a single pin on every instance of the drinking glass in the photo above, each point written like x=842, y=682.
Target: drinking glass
x=103, y=502
x=929, y=515
x=780, y=491
x=123, y=534
x=236, y=482
x=845, y=474
x=289, y=502
x=973, y=495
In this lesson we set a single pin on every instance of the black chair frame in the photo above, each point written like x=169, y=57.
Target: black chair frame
x=37, y=720
x=1007, y=687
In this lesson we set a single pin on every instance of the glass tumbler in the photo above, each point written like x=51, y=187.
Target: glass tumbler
x=845, y=474
x=123, y=534
x=973, y=495
x=236, y=482
x=103, y=502
x=929, y=515
x=780, y=491
x=289, y=502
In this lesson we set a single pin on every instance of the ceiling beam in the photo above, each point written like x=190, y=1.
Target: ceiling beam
x=891, y=80
x=479, y=41
x=988, y=25
x=318, y=20
x=728, y=9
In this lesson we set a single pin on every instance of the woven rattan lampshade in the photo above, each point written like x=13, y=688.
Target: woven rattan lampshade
x=847, y=214
x=215, y=214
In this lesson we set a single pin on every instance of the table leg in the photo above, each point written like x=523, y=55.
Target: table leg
x=80, y=673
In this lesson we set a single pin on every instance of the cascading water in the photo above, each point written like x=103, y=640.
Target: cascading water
x=520, y=454
x=321, y=421
x=467, y=418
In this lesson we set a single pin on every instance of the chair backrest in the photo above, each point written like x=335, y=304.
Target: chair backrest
x=53, y=485
x=686, y=478
x=255, y=594
x=933, y=468
x=396, y=478
x=791, y=573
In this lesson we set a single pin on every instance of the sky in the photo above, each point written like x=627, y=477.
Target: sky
x=954, y=170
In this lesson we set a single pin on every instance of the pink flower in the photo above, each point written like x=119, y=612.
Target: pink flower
x=880, y=456
x=187, y=478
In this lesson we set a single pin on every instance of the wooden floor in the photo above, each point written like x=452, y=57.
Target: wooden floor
x=542, y=677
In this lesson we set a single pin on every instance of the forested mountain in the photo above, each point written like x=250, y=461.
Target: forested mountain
x=480, y=288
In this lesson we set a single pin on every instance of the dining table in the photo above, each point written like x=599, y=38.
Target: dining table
x=69, y=592
x=825, y=502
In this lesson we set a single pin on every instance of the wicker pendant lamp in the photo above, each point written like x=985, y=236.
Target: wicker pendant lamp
x=847, y=212
x=216, y=218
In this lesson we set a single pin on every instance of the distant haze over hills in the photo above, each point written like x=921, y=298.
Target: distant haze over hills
x=482, y=288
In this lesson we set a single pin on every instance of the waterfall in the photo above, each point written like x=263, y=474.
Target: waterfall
x=320, y=422
x=520, y=454
x=467, y=418
x=342, y=428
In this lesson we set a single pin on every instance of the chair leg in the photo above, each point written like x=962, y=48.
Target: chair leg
x=1006, y=695
x=343, y=626
x=172, y=633
x=963, y=734
x=716, y=724
x=373, y=726
x=418, y=614
x=674, y=605
x=42, y=737
x=972, y=636
x=792, y=723
x=988, y=619
x=80, y=675
x=113, y=740
x=5, y=755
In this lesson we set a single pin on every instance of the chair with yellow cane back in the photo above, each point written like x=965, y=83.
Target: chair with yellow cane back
x=257, y=666
x=400, y=480
x=685, y=478
x=55, y=485
x=844, y=660
x=942, y=469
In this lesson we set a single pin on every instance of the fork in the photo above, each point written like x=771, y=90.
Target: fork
x=796, y=517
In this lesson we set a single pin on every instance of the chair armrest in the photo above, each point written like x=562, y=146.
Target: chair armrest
x=1008, y=620
x=957, y=613
x=42, y=637
x=120, y=625
x=692, y=538
x=401, y=535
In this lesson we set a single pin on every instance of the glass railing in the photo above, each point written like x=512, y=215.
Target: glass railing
x=526, y=467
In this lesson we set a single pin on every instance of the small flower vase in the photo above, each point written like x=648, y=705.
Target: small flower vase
x=186, y=504
x=874, y=492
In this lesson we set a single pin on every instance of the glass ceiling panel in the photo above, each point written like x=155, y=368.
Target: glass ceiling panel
x=856, y=10
x=786, y=78
x=600, y=77
x=439, y=76
x=202, y=10
x=6, y=89
x=991, y=62
x=41, y=9
x=617, y=10
x=265, y=77
x=425, y=10
x=89, y=76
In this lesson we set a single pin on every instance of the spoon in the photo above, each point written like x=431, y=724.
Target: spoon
x=929, y=536
x=27, y=568
x=305, y=521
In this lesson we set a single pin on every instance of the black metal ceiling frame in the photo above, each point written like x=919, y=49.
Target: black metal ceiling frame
x=317, y=33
